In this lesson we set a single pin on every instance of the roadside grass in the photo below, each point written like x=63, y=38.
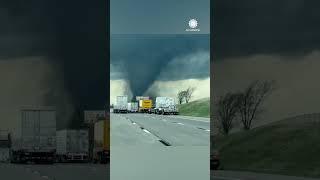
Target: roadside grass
x=198, y=108
x=284, y=147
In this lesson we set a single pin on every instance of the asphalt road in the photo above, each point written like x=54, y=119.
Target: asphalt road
x=235, y=175
x=143, y=129
x=54, y=172
x=160, y=163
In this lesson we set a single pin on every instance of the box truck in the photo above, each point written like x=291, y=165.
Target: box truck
x=138, y=98
x=133, y=107
x=101, y=146
x=165, y=105
x=121, y=105
x=4, y=146
x=145, y=106
x=36, y=142
x=72, y=145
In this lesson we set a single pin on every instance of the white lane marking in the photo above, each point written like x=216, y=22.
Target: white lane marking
x=146, y=131
x=180, y=123
x=207, y=130
x=134, y=123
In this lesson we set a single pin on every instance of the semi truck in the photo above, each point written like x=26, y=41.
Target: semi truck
x=165, y=105
x=121, y=105
x=4, y=146
x=36, y=140
x=133, y=107
x=72, y=145
x=101, y=146
x=145, y=106
x=138, y=98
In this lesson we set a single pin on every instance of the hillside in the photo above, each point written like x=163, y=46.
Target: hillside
x=198, y=108
x=289, y=147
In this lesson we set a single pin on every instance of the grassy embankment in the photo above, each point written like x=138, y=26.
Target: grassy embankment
x=289, y=147
x=198, y=108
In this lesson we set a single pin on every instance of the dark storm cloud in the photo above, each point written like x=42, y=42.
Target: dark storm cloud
x=71, y=34
x=269, y=40
x=248, y=27
x=26, y=28
x=158, y=17
x=141, y=58
x=296, y=82
x=193, y=65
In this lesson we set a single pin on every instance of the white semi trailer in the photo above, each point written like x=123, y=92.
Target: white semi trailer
x=36, y=140
x=72, y=145
x=121, y=104
x=4, y=146
x=133, y=107
x=165, y=105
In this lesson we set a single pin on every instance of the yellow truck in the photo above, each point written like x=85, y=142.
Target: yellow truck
x=101, y=150
x=145, y=105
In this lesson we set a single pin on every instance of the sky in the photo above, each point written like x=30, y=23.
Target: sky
x=152, y=53
x=269, y=40
x=151, y=64
x=158, y=17
x=53, y=53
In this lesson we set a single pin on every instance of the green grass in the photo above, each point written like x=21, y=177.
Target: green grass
x=285, y=147
x=198, y=108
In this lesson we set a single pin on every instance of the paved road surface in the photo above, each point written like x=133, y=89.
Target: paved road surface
x=234, y=175
x=141, y=129
x=160, y=163
x=54, y=172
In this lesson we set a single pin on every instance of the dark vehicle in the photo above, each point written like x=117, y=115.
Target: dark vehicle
x=214, y=161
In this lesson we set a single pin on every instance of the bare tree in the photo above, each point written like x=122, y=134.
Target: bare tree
x=188, y=94
x=227, y=109
x=251, y=100
x=180, y=96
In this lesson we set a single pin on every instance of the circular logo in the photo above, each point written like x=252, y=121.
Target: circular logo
x=193, y=23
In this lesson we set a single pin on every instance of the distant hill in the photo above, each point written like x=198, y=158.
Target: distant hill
x=198, y=108
x=290, y=146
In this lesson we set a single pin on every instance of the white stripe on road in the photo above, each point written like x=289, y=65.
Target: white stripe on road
x=146, y=131
x=180, y=123
x=207, y=130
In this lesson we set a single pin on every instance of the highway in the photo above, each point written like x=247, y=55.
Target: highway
x=236, y=175
x=159, y=130
x=54, y=172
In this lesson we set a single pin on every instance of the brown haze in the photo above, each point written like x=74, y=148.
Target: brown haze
x=297, y=81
